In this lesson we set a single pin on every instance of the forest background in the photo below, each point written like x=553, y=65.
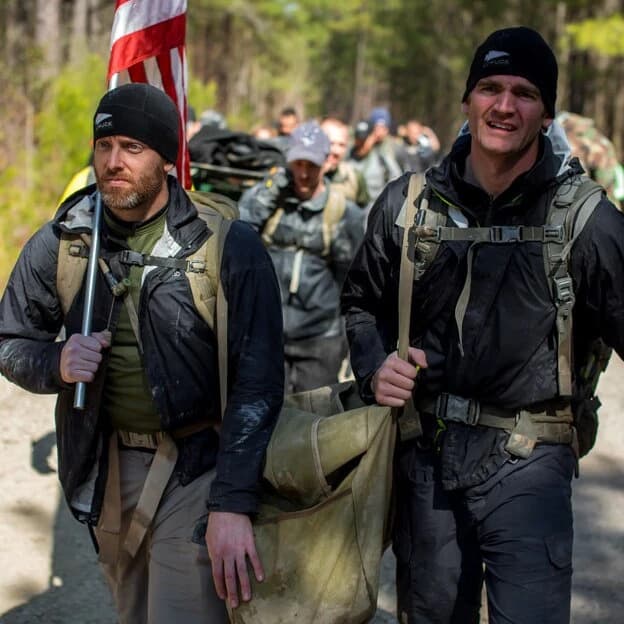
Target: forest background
x=249, y=58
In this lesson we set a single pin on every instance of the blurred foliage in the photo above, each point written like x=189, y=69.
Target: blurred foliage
x=249, y=58
x=602, y=35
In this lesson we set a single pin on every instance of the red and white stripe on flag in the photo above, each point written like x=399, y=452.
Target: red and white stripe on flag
x=147, y=45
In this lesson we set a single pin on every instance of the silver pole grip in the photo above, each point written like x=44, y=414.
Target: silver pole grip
x=92, y=267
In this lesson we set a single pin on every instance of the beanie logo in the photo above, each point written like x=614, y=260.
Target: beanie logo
x=103, y=120
x=496, y=57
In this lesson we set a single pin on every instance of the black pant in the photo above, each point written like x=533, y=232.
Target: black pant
x=313, y=362
x=517, y=525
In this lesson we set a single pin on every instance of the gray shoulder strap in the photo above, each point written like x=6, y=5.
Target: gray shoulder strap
x=572, y=205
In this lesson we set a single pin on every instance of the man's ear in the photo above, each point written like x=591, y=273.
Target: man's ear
x=546, y=123
x=464, y=107
x=168, y=167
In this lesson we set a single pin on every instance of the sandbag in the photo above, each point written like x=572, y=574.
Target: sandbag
x=324, y=517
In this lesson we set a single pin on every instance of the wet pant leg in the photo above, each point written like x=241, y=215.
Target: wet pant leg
x=526, y=541
x=439, y=566
x=170, y=579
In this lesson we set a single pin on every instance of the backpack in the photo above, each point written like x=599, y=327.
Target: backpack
x=202, y=267
x=572, y=205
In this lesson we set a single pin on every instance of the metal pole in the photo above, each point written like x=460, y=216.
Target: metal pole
x=92, y=267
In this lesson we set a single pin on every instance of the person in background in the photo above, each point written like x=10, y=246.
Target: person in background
x=341, y=174
x=419, y=147
x=311, y=232
x=374, y=154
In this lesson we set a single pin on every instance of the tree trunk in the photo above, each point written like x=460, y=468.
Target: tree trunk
x=47, y=36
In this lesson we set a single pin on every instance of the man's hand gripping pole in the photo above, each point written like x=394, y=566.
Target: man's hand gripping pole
x=92, y=267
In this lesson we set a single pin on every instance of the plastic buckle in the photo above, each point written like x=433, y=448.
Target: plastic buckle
x=134, y=258
x=450, y=407
x=196, y=266
x=506, y=233
x=553, y=234
x=564, y=292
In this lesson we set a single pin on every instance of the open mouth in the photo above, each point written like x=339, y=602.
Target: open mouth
x=500, y=125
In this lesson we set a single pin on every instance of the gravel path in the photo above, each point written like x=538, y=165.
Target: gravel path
x=50, y=574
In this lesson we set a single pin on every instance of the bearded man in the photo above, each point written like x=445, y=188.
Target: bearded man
x=144, y=462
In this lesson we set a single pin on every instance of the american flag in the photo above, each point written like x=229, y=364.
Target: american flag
x=147, y=45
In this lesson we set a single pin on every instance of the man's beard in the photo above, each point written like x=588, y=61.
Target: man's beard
x=146, y=188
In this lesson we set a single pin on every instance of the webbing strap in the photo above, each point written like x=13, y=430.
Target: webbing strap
x=222, y=317
x=332, y=213
x=135, y=258
x=464, y=297
x=495, y=234
x=109, y=523
x=295, y=278
x=271, y=225
x=409, y=420
x=155, y=483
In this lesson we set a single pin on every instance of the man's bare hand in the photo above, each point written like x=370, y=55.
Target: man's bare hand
x=230, y=541
x=394, y=380
x=81, y=356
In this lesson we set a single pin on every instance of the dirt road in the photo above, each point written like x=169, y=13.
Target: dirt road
x=48, y=568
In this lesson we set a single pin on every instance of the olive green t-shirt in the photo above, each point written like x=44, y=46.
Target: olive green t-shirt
x=127, y=399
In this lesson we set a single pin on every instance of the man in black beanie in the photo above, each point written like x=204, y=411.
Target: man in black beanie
x=147, y=458
x=511, y=243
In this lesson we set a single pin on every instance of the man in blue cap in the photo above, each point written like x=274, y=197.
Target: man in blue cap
x=312, y=232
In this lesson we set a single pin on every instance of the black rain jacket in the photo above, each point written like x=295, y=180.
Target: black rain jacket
x=180, y=352
x=509, y=327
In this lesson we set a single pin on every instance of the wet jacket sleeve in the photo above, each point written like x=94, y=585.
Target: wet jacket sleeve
x=31, y=318
x=597, y=267
x=369, y=296
x=255, y=370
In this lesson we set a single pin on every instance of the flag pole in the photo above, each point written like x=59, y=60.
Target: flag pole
x=92, y=267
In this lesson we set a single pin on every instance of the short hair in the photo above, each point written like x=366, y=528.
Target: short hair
x=288, y=111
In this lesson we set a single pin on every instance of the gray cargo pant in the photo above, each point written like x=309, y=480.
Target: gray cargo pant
x=170, y=579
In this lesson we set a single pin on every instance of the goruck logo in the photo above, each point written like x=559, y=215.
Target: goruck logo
x=310, y=137
x=496, y=57
x=103, y=121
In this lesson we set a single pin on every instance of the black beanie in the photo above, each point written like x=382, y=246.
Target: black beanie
x=518, y=51
x=143, y=112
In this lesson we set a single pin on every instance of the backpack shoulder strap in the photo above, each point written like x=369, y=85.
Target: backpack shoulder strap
x=332, y=214
x=571, y=207
x=204, y=277
x=73, y=257
x=207, y=289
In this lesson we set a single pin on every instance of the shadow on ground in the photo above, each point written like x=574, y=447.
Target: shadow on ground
x=76, y=591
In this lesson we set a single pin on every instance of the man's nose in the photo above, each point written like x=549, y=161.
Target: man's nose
x=114, y=158
x=506, y=101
